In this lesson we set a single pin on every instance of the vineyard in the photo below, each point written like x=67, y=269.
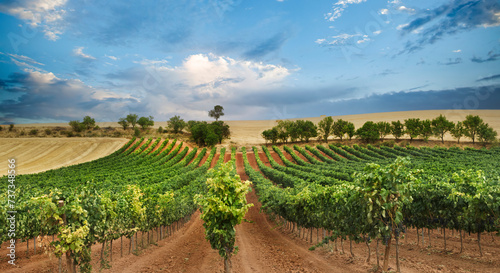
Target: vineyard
x=371, y=196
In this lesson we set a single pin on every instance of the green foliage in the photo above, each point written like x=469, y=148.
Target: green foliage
x=132, y=120
x=205, y=134
x=384, y=128
x=146, y=122
x=270, y=135
x=176, y=124
x=34, y=132
x=124, y=123
x=48, y=132
x=223, y=206
x=458, y=131
x=88, y=122
x=190, y=124
x=325, y=128
x=306, y=129
x=220, y=130
x=160, y=130
x=11, y=127
x=137, y=132
x=77, y=126
x=397, y=129
x=350, y=129
x=339, y=128
x=216, y=113
x=368, y=132
x=471, y=125
x=486, y=134
x=426, y=129
x=413, y=127
x=441, y=125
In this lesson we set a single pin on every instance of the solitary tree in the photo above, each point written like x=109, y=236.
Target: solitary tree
x=397, y=129
x=145, y=122
x=471, y=125
x=132, y=119
x=217, y=112
x=325, y=128
x=223, y=206
x=440, y=126
x=88, y=122
x=124, y=123
x=176, y=124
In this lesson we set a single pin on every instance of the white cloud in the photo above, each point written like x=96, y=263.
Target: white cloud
x=45, y=13
x=383, y=11
x=339, y=7
x=79, y=52
x=112, y=57
x=377, y=32
x=457, y=51
x=405, y=9
x=341, y=39
x=364, y=40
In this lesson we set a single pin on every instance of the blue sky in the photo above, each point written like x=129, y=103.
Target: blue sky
x=61, y=59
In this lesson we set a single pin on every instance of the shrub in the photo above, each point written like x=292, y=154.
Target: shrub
x=11, y=127
x=48, y=132
x=137, y=132
x=160, y=130
x=22, y=133
x=34, y=132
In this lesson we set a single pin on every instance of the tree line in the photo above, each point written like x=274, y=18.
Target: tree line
x=472, y=127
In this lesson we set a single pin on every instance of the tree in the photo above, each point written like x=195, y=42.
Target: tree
x=145, y=122
x=384, y=128
x=325, y=128
x=176, y=124
x=397, y=129
x=350, y=129
x=440, y=126
x=368, y=132
x=306, y=129
x=190, y=124
x=221, y=130
x=413, y=127
x=426, y=129
x=124, y=123
x=216, y=113
x=486, y=134
x=339, y=129
x=458, y=131
x=132, y=119
x=271, y=135
x=88, y=122
x=471, y=125
x=283, y=128
x=77, y=126
x=11, y=127
x=223, y=206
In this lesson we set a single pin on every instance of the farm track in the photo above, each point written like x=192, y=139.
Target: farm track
x=267, y=247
